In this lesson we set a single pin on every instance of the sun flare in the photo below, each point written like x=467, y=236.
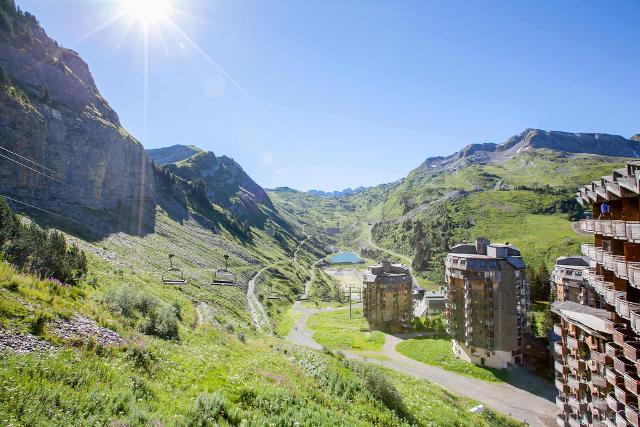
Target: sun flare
x=147, y=11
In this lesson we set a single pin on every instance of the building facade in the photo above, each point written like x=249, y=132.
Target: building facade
x=596, y=359
x=387, y=296
x=569, y=281
x=487, y=303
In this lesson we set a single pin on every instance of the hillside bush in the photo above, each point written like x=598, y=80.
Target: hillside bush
x=37, y=251
x=212, y=409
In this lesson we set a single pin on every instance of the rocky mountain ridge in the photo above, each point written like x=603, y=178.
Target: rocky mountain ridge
x=345, y=192
x=600, y=144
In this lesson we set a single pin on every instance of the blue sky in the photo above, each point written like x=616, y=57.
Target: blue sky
x=334, y=94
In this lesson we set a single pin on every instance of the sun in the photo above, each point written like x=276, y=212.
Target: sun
x=147, y=11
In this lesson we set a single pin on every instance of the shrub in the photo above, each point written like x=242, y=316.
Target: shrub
x=166, y=323
x=36, y=325
x=212, y=409
x=140, y=355
x=241, y=337
x=229, y=328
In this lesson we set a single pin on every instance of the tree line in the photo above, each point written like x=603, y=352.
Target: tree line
x=37, y=251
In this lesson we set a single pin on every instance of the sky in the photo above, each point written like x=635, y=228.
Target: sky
x=335, y=94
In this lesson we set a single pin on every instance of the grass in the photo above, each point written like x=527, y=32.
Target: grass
x=286, y=322
x=437, y=352
x=336, y=331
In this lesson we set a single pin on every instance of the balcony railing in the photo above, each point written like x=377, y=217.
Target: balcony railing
x=620, y=267
x=561, y=386
x=611, y=295
x=588, y=250
x=620, y=230
x=624, y=396
x=560, y=349
x=576, y=384
x=600, y=255
x=608, y=261
x=622, y=366
x=601, y=358
x=576, y=364
x=576, y=404
x=612, y=349
x=599, y=404
x=614, y=378
x=633, y=273
x=561, y=402
x=573, y=343
x=598, y=381
x=620, y=333
x=587, y=225
x=560, y=367
x=573, y=421
x=560, y=421
x=635, y=321
x=632, y=383
x=631, y=350
x=633, y=231
x=628, y=182
x=624, y=307
x=557, y=328
x=613, y=403
x=631, y=414
x=621, y=421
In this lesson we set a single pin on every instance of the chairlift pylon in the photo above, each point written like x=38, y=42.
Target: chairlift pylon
x=224, y=277
x=173, y=276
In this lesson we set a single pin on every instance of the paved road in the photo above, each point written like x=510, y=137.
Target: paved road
x=503, y=397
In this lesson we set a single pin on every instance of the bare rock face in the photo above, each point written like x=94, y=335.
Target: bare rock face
x=52, y=113
x=22, y=343
x=82, y=328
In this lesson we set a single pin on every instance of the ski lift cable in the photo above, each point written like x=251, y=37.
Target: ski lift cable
x=28, y=160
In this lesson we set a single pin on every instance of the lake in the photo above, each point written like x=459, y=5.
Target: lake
x=345, y=258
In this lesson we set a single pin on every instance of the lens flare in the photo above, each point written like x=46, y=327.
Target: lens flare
x=147, y=11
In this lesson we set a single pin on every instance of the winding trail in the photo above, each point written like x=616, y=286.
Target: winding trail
x=503, y=397
x=258, y=313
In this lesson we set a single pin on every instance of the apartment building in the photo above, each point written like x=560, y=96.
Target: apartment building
x=487, y=303
x=387, y=296
x=569, y=281
x=596, y=358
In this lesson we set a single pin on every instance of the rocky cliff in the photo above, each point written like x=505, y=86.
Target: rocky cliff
x=52, y=113
x=226, y=183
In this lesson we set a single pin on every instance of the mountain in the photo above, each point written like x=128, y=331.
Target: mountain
x=52, y=113
x=344, y=192
x=536, y=139
x=225, y=182
x=635, y=137
x=173, y=154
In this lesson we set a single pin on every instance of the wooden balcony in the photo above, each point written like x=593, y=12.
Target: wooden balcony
x=561, y=367
x=619, y=230
x=631, y=414
x=635, y=321
x=611, y=295
x=624, y=396
x=631, y=350
x=560, y=349
x=588, y=250
x=620, y=267
x=620, y=333
x=612, y=349
x=557, y=328
x=604, y=227
x=633, y=231
x=608, y=261
x=561, y=422
x=573, y=421
x=622, y=366
x=613, y=188
x=573, y=343
x=576, y=385
x=598, y=381
x=632, y=383
x=624, y=307
x=599, y=404
x=561, y=402
x=587, y=225
x=613, y=403
x=576, y=404
x=628, y=182
x=614, y=377
x=633, y=273
x=601, y=358
x=576, y=365
x=561, y=386
x=621, y=421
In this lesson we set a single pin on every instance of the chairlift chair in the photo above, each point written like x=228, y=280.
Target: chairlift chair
x=272, y=295
x=224, y=277
x=173, y=276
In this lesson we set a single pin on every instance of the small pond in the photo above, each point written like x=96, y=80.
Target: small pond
x=345, y=258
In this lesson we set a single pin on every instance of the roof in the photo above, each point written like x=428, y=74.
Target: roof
x=578, y=262
x=587, y=317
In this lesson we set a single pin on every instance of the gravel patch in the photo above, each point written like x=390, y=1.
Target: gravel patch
x=22, y=343
x=82, y=327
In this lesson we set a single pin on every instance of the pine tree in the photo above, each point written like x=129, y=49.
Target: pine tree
x=45, y=95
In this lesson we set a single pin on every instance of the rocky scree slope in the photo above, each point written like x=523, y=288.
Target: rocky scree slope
x=51, y=112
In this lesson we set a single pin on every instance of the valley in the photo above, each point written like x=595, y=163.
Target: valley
x=112, y=311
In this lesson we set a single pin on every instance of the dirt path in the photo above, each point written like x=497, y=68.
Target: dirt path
x=518, y=403
x=258, y=313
